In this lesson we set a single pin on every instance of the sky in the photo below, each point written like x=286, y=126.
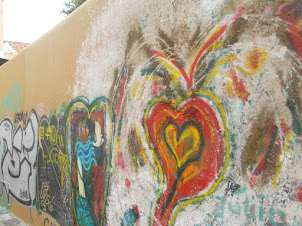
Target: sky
x=27, y=20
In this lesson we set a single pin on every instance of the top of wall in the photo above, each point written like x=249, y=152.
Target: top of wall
x=49, y=64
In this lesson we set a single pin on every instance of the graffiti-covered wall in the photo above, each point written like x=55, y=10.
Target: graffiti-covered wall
x=157, y=113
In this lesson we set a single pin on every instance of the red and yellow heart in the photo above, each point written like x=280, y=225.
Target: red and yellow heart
x=191, y=145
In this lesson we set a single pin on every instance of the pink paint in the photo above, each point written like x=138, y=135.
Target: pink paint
x=120, y=161
x=253, y=180
x=128, y=183
x=287, y=14
x=238, y=14
x=284, y=127
x=268, y=10
x=41, y=110
x=299, y=193
x=155, y=87
x=121, y=97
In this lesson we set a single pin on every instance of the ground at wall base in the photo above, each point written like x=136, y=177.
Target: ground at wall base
x=8, y=219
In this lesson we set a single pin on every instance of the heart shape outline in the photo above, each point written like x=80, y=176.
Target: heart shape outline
x=218, y=106
x=89, y=108
x=181, y=132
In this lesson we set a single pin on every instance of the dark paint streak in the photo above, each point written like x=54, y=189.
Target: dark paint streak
x=296, y=123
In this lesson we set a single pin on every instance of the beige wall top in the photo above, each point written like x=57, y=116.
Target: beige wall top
x=45, y=71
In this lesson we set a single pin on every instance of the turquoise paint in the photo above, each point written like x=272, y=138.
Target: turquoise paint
x=294, y=144
x=260, y=79
x=296, y=222
x=11, y=102
x=273, y=213
x=246, y=209
x=237, y=210
x=261, y=208
x=261, y=213
x=130, y=217
x=152, y=71
x=240, y=190
x=3, y=210
x=84, y=214
x=296, y=123
x=219, y=211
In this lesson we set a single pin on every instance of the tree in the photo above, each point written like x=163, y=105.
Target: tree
x=71, y=6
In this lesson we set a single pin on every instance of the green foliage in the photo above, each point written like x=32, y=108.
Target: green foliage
x=71, y=5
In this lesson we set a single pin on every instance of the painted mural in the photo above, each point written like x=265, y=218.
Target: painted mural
x=187, y=113
x=89, y=127
x=53, y=168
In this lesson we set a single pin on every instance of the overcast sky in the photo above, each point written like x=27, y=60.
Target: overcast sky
x=27, y=20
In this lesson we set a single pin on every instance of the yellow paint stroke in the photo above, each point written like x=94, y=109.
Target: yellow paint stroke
x=218, y=45
x=189, y=132
x=175, y=104
x=280, y=162
x=134, y=96
x=216, y=101
x=153, y=172
x=225, y=60
x=57, y=158
x=54, y=156
x=278, y=170
x=214, y=46
x=230, y=87
x=188, y=176
x=227, y=156
x=118, y=148
x=151, y=78
x=254, y=60
x=154, y=155
x=287, y=141
x=135, y=160
x=177, y=115
x=229, y=84
x=140, y=142
x=174, y=72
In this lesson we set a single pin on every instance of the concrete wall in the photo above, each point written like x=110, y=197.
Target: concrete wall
x=157, y=113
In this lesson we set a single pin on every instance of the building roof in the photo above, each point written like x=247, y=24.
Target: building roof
x=17, y=46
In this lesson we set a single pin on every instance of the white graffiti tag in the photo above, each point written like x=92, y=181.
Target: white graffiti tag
x=18, y=153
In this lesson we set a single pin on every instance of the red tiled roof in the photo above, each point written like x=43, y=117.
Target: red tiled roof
x=18, y=46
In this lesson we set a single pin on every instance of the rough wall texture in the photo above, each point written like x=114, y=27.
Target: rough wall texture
x=157, y=113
